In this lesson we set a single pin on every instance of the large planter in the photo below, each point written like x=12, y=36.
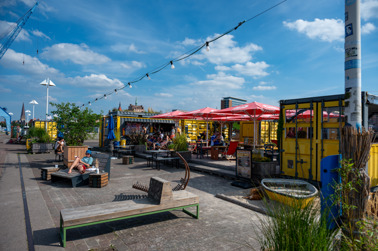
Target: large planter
x=262, y=170
x=71, y=151
x=187, y=155
x=42, y=147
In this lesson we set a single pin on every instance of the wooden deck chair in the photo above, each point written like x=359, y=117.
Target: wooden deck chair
x=231, y=149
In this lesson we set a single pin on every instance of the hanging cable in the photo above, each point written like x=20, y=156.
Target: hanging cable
x=189, y=53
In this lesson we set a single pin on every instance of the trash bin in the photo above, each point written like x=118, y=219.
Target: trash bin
x=123, y=142
x=330, y=177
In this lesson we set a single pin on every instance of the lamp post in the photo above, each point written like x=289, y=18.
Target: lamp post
x=27, y=117
x=33, y=102
x=47, y=82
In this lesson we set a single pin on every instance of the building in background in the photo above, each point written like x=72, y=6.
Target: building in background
x=227, y=102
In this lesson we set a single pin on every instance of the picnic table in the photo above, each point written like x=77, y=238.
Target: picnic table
x=123, y=150
x=159, y=156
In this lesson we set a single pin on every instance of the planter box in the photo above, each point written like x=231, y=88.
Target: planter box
x=42, y=147
x=71, y=151
x=265, y=169
x=187, y=155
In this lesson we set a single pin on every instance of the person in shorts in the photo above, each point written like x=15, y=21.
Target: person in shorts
x=82, y=164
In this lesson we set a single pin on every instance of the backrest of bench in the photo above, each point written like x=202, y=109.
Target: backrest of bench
x=160, y=190
x=104, y=161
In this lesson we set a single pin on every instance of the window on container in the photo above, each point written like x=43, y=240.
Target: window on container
x=333, y=115
x=330, y=133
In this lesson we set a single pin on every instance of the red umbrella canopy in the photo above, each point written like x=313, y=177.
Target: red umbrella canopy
x=252, y=109
x=168, y=115
x=204, y=113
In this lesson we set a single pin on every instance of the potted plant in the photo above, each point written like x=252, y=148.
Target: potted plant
x=76, y=125
x=180, y=145
x=138, y=140
x=40, y=140
x=264, y=167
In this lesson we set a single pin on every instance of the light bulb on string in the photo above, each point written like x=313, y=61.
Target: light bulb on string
x=148, y=76
x=105, y=97
x=89, y=103
x=96, y=99
x=115, y=91
x=130, y=85
x=172, y=65
x=207, y=46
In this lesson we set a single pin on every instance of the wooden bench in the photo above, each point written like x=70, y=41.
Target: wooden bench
x=160, y=199
x=78, y=179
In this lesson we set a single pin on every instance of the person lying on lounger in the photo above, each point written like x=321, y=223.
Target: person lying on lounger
x=82, y=164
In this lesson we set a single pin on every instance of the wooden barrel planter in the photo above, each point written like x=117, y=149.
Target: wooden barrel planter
x=71, y=151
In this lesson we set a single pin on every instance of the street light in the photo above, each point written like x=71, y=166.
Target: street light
x=47, y=82
x=27, y=117
x=33, y=102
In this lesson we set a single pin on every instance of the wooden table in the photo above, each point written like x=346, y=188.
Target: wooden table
x=215, y=150
x=98, y=180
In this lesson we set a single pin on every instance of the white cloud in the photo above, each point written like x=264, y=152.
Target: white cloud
x=165, y=95
x=264, y=88
x=32, y=65
x=225, y=50
x=96, y=81
x=40, y=34
x=189, y=41
x=133, y=65
x=4, y=90
x=367, y=28
x=254, y=70
x=328, y=30
x=7, y=27
x=78, y=54
x=221, y=80
x=126, y=48
x=369, y=9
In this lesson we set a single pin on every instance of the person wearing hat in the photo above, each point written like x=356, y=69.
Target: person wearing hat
x=82, y=164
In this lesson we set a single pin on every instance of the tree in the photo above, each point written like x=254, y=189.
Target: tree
x=75, y=124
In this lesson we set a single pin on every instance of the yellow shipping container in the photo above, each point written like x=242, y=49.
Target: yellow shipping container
x=51, y=128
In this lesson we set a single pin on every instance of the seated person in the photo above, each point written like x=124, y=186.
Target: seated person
x=82, y=164
x=165, y=143
x=59, y=145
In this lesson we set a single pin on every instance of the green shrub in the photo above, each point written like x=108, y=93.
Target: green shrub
x=295, y=228
x=261, y=159
x=180, y=143
x=38, y=135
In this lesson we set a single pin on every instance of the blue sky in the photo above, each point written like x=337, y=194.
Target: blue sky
x=89, y=48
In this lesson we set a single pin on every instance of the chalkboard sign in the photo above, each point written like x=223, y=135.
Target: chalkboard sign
x=243, y=164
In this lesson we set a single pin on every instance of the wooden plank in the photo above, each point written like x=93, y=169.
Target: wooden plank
x=113, y=210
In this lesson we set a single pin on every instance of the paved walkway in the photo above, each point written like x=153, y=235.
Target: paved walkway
x=222, y=225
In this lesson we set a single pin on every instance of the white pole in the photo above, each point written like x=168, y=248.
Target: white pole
x=47, y=102
x=353, y=63
x=33, y=112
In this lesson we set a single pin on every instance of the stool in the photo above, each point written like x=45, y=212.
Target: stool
x=47, y=171
x=98, y=180
x=129, y=159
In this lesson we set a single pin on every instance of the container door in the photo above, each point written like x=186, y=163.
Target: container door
x=299, y=156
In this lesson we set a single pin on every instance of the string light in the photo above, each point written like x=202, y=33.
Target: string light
x=190, y=52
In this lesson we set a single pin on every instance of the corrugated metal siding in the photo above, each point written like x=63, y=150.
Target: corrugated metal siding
x=373, y=165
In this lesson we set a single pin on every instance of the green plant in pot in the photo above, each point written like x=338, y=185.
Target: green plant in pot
x=179, y=143
x=38, y=135
x=76, y=124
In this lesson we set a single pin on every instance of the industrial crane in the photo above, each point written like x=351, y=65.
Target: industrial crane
x=13, y=33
